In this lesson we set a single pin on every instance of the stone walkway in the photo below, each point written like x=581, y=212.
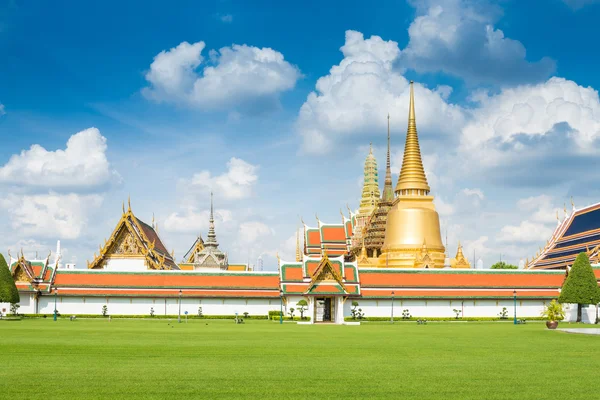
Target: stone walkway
x=587, y=331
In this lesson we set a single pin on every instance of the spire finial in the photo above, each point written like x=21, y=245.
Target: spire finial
x=388, y=191
x=129, y=203
x=370, y=147
x=412, y=179
x=211, y=240
x=572, y=203
x=298, y=254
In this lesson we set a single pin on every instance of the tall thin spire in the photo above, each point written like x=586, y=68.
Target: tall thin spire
x=298, y=253
x=388, y=191
x=211, y=240
x=370, y=193
x=412, y=179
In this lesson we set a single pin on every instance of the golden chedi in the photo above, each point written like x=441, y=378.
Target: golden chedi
x=412, y=234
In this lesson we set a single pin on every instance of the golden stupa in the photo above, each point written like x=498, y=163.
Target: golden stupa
x=412, y=233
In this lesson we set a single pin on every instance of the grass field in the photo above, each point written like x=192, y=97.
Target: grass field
x=144, y=359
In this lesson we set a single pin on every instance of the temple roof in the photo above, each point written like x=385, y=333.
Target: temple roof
x=578, y=232
x=134, y=238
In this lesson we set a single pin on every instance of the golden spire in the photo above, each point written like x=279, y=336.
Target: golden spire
x=388, y=191
x=370, y=192
x=298, y=254
x=412, y=175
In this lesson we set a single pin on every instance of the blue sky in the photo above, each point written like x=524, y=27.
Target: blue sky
x=272, y=106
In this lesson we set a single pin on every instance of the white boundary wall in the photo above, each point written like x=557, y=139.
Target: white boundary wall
x=68, y=305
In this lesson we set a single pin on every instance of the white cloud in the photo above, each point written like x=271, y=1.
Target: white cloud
x=52, y=215
x=478, y=193
x=359, y=92
x=458, y=37
x=525, y=232
x=81, y=166
x=503, y=123
x=253, y=231
x=2, y=110
x=194, y=221
x=234, y=76
x=443, y=208
x=524, y=136
x=236, y=183
x=539, y=225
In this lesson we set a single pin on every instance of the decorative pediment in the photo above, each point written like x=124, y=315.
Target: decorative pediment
x=126, y=244
x=133, y=238
x=20, y=274
x=325, y=273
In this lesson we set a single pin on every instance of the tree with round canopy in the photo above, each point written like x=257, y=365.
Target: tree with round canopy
x=581, y=286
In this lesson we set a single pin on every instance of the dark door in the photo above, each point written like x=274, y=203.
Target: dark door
x=327, y=310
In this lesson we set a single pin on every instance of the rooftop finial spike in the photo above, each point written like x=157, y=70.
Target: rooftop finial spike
x=388, y=191
x=412, y=179
x=298, y=254
x=129, y=203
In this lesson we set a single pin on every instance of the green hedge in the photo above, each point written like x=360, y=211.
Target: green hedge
x=379, y=319
x=263, y=317
x=274, y=315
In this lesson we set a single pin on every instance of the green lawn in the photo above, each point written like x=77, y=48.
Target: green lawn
x=143, y=359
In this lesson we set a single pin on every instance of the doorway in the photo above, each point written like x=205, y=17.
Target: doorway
x=324, y=310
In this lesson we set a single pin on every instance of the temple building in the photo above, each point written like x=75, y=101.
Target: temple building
x=368, y=201
x=388, y=257
x=578, y=232
x=133, y=246
x=206, y=255
x=375, y=229
x=412, y=233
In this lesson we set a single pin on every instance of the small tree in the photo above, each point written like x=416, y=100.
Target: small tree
x=581, y=286
x=405, y=314
x=302, y=307
x=246, y=314
x=200, y=312
x=503, y=265
x=356, y=312
x=8, y=289
x=291, y=312
x=14, y=308
x=152, y=311
x=457, y=313
x=504, y=313
x=104, y=310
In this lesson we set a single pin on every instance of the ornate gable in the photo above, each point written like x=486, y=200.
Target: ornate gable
x=197, y=247
x=327, y=275
x=133, y=238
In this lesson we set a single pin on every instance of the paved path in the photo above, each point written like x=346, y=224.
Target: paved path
x=587, y=331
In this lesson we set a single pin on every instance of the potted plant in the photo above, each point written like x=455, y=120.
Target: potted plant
x=553, y=312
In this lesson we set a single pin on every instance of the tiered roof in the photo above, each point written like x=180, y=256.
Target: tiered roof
x=134, y=238
x=32, y=275
x=319, y=276
x=578, y=232
x=332, y=239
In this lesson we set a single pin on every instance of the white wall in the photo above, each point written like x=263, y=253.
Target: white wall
x=444, y=308
x=126, y=264
x=228, y=306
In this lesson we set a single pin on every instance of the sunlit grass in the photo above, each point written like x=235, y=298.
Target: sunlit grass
x=144, y=359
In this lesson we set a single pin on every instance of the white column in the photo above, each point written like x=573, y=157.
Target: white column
x=339, y=310
x=311, y=309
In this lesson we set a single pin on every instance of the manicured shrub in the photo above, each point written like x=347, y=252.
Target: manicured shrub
x=302, y=307
x=8, y=289
x=581, y=286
